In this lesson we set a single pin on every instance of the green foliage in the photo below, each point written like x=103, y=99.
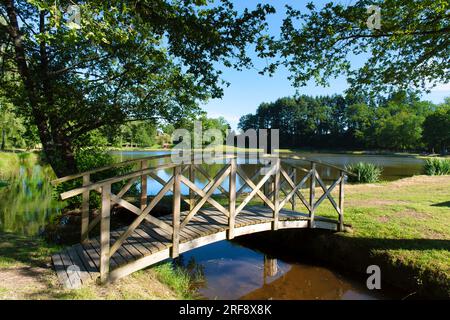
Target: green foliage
x=364, y=172
x=90, y=158
x=176, y=278
x=437, y=167
x=147, y=60
x=410, y=50
x=436, y=129
x=394, y=123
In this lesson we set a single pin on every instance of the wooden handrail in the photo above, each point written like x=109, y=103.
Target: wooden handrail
x=224, y=156
x=114, y=165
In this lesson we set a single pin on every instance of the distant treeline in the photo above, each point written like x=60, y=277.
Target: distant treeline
x=401, y=122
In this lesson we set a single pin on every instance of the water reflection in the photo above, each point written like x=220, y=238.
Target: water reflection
x=231, y=271
x=26, y=202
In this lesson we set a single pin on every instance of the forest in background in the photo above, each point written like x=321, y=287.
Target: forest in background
x=400, y=122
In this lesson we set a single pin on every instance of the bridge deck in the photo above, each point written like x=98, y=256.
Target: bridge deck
x=149, y=244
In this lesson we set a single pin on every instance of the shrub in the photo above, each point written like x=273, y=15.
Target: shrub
x=437, y=167
x=87, y=159
x=364, y=172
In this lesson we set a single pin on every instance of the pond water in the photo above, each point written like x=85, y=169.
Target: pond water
x=394, y=167
x=231, y=271
x=26, y=202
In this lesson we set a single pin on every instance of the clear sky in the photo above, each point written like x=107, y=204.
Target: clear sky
x=248, y=89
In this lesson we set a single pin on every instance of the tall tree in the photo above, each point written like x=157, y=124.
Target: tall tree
x=409, y=50
x=143, y=59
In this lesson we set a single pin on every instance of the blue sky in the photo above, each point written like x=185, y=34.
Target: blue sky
x=248, y=89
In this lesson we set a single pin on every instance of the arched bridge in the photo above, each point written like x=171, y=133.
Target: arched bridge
x=230, y=203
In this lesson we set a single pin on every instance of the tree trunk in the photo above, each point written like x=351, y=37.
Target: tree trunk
x=3, y=139
x=60, y=155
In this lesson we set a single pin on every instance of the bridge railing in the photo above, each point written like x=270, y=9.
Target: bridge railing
x=278, y=179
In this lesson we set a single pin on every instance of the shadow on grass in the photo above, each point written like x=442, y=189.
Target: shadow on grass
x=21, y=249
x=442, y=204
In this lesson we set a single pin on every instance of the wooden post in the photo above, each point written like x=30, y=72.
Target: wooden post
x=276, y=194
x=85, y=210
x=144, y=165
x=294, y=179
x=191, y=192
x=266, y=190
x=312, y=193
x=341, y=201
x=176, y=212
x=104, y=233
x=232, y=198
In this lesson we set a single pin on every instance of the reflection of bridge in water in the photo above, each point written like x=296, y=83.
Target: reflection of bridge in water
x=211, y=217
x=301, y=282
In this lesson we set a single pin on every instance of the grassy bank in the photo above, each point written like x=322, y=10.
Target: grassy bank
x=402, y=226
x=26, y=273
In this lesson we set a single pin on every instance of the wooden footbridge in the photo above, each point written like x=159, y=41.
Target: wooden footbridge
x=216, y=212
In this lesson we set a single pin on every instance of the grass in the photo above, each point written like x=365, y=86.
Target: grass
x=176, y=278
x=364, y=172
x=26, y=273
x=404, y=224
x=437, y=166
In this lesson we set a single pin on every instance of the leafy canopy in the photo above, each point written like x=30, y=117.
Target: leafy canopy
x=411, y=50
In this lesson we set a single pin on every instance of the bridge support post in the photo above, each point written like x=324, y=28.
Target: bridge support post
x=232, y=199
x=85, y=210
x=341, y=201
x=294, y=179
x=176, y=212
x=312, y=193
x=105, y=233
x=191, y=192
x=144, y=165
x=276, y=194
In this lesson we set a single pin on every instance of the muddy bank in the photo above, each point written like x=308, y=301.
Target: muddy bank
x=351, y=254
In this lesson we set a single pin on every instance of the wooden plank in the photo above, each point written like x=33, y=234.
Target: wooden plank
x=255, y=190
x=114, y=165
x=217, y=181
x=100, y=184
x=176, y=206
x=125, y=250
x=250, y=183
x=146, y=241
x=341, y=201
x=199, y=242
x=87, y=261
x=92, y=253
x=327, y=192
x=104, y=233
x=60, y=270
x=72, y=269
x=201, y=193
x=144, y=165
x=85, y=210
x=162, y=240
x=232, y=199
x=83, y=273
x=312, y=192
x=139, y=264
x=114, y=261
x=276, y=205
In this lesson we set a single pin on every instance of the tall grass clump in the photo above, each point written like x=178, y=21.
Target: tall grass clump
x=176, y=278
x=437, y=167
x=364, y=172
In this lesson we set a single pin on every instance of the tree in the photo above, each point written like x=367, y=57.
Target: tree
x=141, y=60
x=410, y=50
x=436, y=129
